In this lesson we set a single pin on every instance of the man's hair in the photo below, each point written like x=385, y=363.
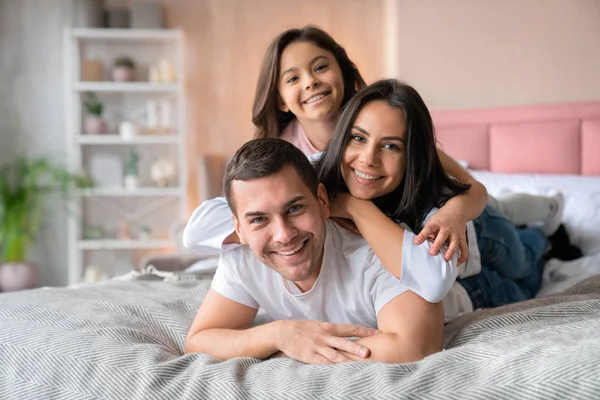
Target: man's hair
x=264, y=157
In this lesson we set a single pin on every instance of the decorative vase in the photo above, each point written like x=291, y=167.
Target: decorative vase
x=128, y=130
x=131, y=182
x=122, y=73
x=17, y=276
x=94, y=125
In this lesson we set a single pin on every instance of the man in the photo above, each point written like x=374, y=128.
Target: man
x=320, y=283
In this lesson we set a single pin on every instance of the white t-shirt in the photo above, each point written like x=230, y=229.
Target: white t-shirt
x=352, y=286
x=211, y=223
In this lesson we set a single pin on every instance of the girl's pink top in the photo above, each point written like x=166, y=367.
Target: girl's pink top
x=294, y=134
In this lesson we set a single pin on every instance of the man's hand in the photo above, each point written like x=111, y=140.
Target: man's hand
x=315, y=342
x=446, y=226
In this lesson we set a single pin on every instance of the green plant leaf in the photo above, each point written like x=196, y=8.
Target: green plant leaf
x=25, y=184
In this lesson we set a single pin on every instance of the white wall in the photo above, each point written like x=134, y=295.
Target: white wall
x=480, y=53
x=31, y=107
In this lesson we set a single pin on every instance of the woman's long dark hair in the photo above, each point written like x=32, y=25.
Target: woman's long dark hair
x=266, y=115
x=425, y=184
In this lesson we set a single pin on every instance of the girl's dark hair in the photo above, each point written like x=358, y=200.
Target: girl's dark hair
x=425, y=184
x=266, y=115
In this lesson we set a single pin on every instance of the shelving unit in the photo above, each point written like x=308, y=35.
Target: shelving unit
x=148, y=204
x=127, y=87
x=115, y=139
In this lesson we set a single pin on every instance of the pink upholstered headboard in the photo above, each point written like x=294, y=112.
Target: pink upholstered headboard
x=553, y=139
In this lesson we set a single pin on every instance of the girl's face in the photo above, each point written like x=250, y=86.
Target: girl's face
x=374, y=161
x=311, y=84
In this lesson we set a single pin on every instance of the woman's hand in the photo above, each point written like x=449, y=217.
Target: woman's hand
x=447, y=225
x=340, y=214
x=339, y=206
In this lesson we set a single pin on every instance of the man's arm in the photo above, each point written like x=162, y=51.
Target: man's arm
x=412, y=329
x=222, y=329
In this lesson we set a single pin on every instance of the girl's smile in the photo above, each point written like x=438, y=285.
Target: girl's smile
x=311, y=84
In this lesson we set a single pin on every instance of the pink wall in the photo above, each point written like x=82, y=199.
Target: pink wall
x=481, y=53
x=226, y=40
x=458, y=53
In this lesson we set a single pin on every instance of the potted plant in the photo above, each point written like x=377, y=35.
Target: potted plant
x=25, y=184
x=132, y=174
x=123, y=70
x=93, y=123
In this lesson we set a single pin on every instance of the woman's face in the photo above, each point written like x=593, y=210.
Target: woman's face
x=374, y=161
x=311, y=84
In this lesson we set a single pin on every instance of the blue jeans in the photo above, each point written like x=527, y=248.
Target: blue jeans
x=511, y=261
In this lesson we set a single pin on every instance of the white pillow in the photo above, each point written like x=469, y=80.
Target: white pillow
x=582, y=200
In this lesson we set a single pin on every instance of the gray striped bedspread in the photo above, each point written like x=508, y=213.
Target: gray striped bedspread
x=124, y=340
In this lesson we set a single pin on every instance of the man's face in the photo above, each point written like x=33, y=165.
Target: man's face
x=283, y=224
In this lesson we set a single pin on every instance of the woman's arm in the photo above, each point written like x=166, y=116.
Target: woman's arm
x=473, y=200
x=428, y=276
x=448, y=224
x=384, y=236
x=210, y=229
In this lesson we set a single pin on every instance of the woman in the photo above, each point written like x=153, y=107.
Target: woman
x=382, y=172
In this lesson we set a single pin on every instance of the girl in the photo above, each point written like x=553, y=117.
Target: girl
x=305, y=80
x=382, y=171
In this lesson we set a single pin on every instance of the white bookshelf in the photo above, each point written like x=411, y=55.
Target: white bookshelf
x=95, y=204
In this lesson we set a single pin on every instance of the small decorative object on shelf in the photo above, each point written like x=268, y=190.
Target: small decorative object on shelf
x=152, y=115
x=161, y=171
x=128, y=130
x=94, y=124
x=118, y=18
x=146, y=16
x=162, y=72
x=131, y=178
x=94, y=275
x=145, y=233
x=92, y=71
x=166, y=115
x=123, y=70
x=123, y=231
x=93, y=233
x=159, y=116
x=106, y=170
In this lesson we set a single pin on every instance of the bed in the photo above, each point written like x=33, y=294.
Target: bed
x=123, y=339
